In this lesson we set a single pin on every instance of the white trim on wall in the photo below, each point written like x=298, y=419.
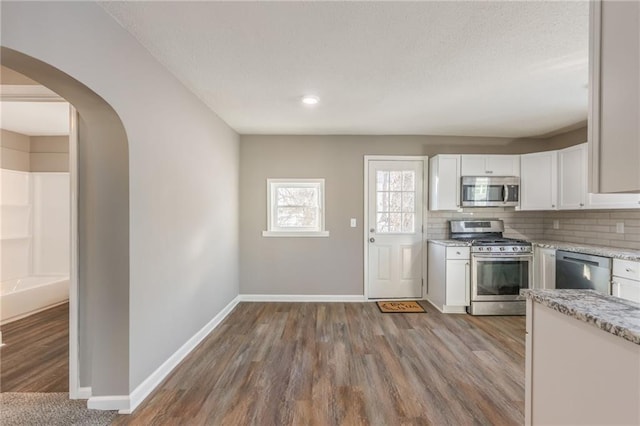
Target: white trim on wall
x=75, y=391
x=126, y=404
x=110, y=402
x=28, y=93
x=84, y=393
x=302, y=298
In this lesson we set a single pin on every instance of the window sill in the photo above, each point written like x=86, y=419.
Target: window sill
x=295, y=234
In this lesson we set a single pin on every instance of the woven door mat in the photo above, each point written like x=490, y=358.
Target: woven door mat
x=402, y=307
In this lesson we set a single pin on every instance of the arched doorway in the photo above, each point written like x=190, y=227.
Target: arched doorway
x=99, y=307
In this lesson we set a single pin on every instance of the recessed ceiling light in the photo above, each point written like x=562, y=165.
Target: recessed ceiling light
x=310, y=100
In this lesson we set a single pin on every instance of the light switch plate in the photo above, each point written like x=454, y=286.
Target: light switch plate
x=353, y=222
x=556, y=224
x=620, y=227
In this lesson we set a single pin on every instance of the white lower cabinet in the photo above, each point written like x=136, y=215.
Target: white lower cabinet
x=449, y=278
x=626, y=280
x=578, y=374
x=457, y=282
x=544, y=272
x=626, y=289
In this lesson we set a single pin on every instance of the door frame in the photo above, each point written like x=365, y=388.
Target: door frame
x=365, y=221
x=75, y=391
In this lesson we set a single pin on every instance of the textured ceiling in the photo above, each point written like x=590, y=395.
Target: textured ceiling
x=479, y=68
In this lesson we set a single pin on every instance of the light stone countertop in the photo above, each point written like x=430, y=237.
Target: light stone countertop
x=613, y=252
x=611, y=314
x=450, y=243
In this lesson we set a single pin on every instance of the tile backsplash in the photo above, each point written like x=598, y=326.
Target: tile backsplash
x=524, y=225
x=595, y=227
x=575, y=226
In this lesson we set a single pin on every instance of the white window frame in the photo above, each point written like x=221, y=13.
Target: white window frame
x=273, y=230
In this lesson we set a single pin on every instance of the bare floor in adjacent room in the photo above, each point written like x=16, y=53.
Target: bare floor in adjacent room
x=35, y=354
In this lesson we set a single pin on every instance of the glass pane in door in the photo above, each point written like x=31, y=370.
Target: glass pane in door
x=395, y=201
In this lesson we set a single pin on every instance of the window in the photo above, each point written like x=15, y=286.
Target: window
x=295, y=208
x=395, y=202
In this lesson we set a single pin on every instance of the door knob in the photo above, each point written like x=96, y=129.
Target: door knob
x=372, y=240
x=372, y=230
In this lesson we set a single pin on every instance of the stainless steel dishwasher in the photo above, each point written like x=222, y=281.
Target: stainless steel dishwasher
x=583, y=271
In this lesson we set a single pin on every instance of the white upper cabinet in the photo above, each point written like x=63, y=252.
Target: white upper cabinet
x=444, y=182
x=490, y=165
x=572, y=177
x=539, y=181
x=613, y=201
x=614, y=96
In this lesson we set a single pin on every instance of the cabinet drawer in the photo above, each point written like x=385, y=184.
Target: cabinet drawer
x=457, y=252
x=626, y=289
x=626, y=269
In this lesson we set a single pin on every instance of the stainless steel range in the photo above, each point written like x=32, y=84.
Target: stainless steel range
x=500, y=267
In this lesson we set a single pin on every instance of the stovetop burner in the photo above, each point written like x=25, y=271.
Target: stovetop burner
x=486, y=236
x=498, y=242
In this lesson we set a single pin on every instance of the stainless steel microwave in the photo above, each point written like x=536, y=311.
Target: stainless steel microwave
x=490, y=191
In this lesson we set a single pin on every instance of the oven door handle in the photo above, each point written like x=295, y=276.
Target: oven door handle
x=502, y=256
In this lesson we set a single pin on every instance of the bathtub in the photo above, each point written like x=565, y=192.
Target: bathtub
x=21, y=297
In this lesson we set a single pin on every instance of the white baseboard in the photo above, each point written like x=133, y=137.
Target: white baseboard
x=128, y=403
x=110, y=402
x=302, y=298
x=448, y=309
x=83, y=393
x=150, y=383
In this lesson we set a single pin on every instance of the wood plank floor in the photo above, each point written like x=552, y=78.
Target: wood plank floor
x=35, y=357
x=346, y=364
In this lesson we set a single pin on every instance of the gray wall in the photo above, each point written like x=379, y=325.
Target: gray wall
x=49, y=154
x=9, y=76
x=33, y=153
x=564, y=140
x=331, y=265
x=14, y=151
x=183, y=175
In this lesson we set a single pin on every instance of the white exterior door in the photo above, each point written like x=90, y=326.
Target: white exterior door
x=394, y=227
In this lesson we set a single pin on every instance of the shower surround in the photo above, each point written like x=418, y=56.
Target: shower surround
x=34, y=238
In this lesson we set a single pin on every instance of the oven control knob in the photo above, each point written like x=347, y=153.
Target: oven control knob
x=479, y=248
x=515, y=248
x=501, y=248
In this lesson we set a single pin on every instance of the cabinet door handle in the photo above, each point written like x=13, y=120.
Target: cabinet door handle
x=553, y=206
x=581, y=204
x=488, y=172
x=629, y=270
